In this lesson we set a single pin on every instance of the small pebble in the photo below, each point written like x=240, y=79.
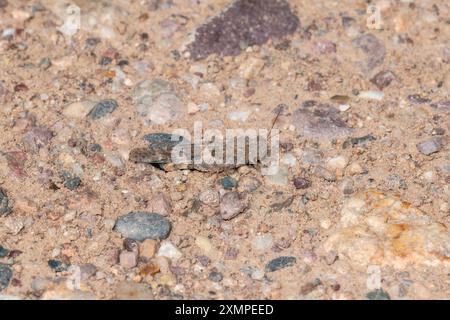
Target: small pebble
x=232, y=204
x=139, y=226
x=280, y=263
x=301, y=183
x=103, y=108
x=168, y=250
x=5, y=208
x=215, y=276
x=58, y=266
x=228, y=183
x=6, y=274
x=430, y=146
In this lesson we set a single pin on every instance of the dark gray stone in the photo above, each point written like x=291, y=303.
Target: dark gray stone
x=215, y=276
x=103, y=108
x=6, y=274
x=280, y=263
x=139, y=226
x=58, y=266
x=5, y=208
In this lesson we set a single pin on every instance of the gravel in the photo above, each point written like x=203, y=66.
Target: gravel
x=140, y=225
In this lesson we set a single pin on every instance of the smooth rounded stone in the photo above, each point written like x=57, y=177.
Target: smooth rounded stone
x=168, y=250
x=248, y=184
x=78, y=110
x=215, y=276
x=320, y=122
x=380, y=229
x=140, y=225
x=133, y=291
x=338, y=162
x=157, y=102
x=232, y=204
x=103, y=108
x=301, y=183
x=228, y=183
x=262, y=243
x=430, y=146
x=5, y=208
x=280, y=263
x=6, y=274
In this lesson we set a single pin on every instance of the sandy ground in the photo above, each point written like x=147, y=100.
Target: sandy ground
x=360, y=206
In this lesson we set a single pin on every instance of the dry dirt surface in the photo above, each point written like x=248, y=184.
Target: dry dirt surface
x=92, y=208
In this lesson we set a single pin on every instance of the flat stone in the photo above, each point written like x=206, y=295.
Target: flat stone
x=139, y=226
x=280, y=263
x=103, y=108
x=430, y=146
x=243, y=23
x=320, y=122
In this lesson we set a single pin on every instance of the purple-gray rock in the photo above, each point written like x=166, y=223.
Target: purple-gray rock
x=430, y=146
x=383, y=79
x=373, y=48
x=232, y=204
x=243, y=23
x=103, y=108
x=140, y=225
x=320, y=122
x=37, y=138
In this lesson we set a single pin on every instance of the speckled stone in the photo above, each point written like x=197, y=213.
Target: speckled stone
x=6, y=274
x=143, y=225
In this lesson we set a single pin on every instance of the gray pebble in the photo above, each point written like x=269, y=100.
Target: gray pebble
x=215, y=276
x=143, y=225
x=102, y=108
x=5, y=208
x=430, y=146
x=280, y=263
x=5, y=276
